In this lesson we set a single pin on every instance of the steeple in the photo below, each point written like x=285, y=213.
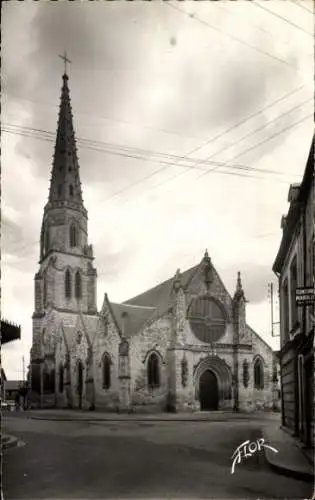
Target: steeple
x=239, y=292
x=65, y=185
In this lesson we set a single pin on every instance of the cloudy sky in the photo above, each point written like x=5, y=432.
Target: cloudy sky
x=172, y=102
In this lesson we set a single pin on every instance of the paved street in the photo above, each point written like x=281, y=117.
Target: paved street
x=139, y=460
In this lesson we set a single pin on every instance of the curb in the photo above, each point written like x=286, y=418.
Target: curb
x=125, y=420
x=132, y=419
x=284, y=471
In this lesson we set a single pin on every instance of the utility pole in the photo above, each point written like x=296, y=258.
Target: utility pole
x=23, y=364
x=271, y=300
x=273, y=323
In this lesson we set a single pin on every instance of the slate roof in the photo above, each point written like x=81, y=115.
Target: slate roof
x=155, y=301
x=130, y=318
x=132, y=314
x=159, y=296
x=252, y=332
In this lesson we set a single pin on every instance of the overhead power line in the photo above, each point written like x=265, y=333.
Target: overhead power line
x=219, y=164
x=108, y=118
x=259, y=28
x=207, y=171
x=301, y=4
x=226, y=173
x=189, y=167
x=182, y=173
x=147, y=155
x=249, y=117
x=221, y=172
x=256, y=4
x=233, y=37
x=180, y=159
x=229, y=129
x=258, y=129
x=263, y=141
x=204, y=144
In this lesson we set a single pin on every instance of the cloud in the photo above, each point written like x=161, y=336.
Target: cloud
x=131, y=87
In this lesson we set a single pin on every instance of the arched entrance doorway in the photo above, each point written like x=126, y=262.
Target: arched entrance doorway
x=80, y=383
x=208, y=391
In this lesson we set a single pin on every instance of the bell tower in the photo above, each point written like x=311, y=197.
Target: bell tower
x=66, y=279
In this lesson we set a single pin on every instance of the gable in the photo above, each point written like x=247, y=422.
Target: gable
x=196, y=285
x=80, y=328
x=193, y=282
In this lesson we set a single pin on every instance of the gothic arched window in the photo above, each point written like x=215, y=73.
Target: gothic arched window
x=49, y=380
x=245, y=373
x=61, y=378
x=59, y=190
x=73, y=235
x=106, y=371
x=153, y=371
x=79, y=378
x=68, y=284
x=71, y=190
x=258, y=374
x=78, y=285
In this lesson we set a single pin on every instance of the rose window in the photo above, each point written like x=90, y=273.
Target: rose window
x=207, y=319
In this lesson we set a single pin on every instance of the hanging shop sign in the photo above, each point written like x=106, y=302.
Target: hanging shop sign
x=305, y=296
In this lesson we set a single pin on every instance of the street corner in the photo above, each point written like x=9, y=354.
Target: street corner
x=9, y=441
x=284, y=455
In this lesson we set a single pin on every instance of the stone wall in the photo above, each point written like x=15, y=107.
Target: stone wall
x=263, y=398
x=107, y=340
x=155, y=337
x=58, y=220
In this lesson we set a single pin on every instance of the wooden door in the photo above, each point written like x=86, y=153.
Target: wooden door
x=208, y=391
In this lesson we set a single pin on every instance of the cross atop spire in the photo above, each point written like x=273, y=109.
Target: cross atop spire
x=65, y=60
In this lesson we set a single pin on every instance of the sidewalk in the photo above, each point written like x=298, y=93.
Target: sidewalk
x=98, y=416
x=290, y=459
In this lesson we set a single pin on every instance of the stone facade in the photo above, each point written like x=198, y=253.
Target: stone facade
x=294, y=266
x=184, y=345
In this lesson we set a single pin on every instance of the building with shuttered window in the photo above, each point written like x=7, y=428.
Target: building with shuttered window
x=182, y=345
x=294, y=266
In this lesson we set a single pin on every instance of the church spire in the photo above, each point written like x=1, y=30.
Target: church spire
x=65, y=185
x=239, y=292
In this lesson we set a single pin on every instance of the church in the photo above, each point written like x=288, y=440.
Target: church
x=183, y=345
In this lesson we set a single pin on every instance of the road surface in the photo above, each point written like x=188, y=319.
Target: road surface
x=147, y=460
